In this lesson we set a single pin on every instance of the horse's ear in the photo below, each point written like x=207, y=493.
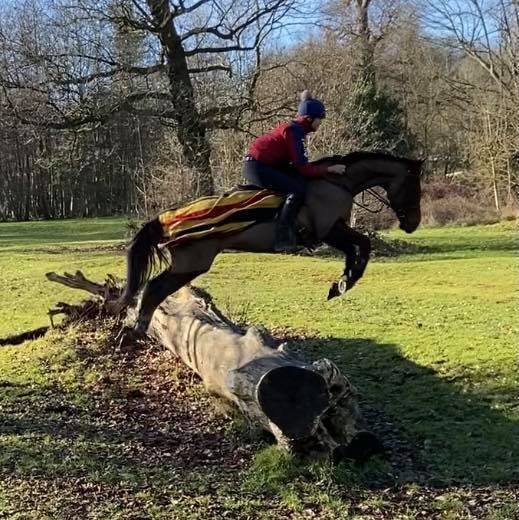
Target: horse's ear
x=306, y=94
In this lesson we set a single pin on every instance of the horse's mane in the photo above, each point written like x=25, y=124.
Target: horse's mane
x=353, y=157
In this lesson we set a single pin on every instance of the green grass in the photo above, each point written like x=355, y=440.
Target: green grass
x=429, y=338
x=61, y=232
x=28, y=250
x=450, y=243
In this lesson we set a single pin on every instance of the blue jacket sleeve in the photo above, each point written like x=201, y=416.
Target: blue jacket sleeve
x=296, y=142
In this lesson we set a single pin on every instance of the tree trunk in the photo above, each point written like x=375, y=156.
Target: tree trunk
x=494, y=184
x=191, y=131
x=365, y=45
x=308, y=407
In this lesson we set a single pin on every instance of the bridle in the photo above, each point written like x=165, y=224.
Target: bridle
x=400, y=212
x=375, y=195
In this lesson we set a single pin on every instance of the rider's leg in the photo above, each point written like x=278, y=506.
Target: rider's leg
x=294, y=186
x=286, y=235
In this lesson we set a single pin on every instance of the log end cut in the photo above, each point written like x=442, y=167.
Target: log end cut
x=294, y=399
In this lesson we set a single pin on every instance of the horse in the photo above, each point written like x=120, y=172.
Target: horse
x=328, y=202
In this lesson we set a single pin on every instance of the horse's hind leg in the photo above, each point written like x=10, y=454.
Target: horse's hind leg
x=157, y=290
x=189, y=261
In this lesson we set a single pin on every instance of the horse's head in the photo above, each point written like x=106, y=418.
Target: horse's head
x=400, y=177
x=404, y=194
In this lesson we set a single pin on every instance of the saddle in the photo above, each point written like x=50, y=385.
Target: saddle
x=219, y=215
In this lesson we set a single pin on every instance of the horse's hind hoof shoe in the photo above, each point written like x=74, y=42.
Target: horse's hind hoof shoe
x=342, y=285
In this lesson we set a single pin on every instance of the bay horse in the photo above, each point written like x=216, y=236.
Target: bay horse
x=328, y=203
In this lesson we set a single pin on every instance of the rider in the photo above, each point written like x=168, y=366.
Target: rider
x=278, y=161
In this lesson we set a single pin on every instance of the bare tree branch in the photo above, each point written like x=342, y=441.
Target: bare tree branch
x=470, y=28
x=210, y=68
x=139, y=71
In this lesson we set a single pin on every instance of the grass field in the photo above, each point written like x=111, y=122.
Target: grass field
x=429, y=339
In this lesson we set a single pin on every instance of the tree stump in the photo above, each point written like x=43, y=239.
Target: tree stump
x=308, y=407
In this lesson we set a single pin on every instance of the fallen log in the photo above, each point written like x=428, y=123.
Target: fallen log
x=308, y=407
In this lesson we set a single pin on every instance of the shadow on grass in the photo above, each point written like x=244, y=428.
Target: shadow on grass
x=453, y=435
x=441, y=433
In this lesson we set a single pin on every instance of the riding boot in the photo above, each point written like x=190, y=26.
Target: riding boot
x=286, y=235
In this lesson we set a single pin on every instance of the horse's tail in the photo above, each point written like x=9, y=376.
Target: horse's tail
x=141, y=259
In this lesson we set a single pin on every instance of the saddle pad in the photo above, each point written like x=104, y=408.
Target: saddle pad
x=218, y=215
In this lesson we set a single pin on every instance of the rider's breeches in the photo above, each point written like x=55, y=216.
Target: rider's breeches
x=265, y=176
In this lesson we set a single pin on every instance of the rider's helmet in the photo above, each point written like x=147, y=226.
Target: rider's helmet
x=310, y=107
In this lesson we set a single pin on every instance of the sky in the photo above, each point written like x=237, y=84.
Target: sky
x=435, y=15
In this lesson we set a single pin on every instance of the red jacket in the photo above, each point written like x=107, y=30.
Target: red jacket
x=285, y=146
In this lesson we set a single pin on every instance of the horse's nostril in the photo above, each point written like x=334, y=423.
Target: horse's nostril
x=407, y=226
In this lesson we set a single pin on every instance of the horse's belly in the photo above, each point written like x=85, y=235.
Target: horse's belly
x=256, y=239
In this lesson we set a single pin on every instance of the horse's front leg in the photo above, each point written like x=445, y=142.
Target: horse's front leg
x=357, y=248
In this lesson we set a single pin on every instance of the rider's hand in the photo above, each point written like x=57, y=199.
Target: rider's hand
x=338, y=169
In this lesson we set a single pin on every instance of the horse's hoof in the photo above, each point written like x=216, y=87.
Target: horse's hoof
x=339, y=288
x=125, y=338
x=139, y=330
x=129, y=336
x=334, y=291
x=362, y=447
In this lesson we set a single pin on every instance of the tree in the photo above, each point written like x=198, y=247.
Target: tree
x=62, y=171
x=71, y=73
x=376, y=119
x=487, y=32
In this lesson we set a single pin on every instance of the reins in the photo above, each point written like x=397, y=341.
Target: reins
x=362, y=204
x=383, y=200
x=375, y=195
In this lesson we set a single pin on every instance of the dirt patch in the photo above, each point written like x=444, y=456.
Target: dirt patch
x=162, y=407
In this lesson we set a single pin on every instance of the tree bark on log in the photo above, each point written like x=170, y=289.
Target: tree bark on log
x=308, y=407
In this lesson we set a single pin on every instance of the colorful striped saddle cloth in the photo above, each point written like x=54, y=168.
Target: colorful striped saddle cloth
x=219, y=215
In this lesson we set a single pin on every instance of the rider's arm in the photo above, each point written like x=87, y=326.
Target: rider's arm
x=296, y=143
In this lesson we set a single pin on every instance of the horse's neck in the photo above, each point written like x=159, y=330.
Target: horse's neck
x=327, y=203
x=367, y=173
